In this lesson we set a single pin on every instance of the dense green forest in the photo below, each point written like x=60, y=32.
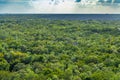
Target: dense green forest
x=44, y=49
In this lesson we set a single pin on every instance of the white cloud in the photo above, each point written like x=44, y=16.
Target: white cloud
x=60, y=6
x=47, y=6
x=69, y=6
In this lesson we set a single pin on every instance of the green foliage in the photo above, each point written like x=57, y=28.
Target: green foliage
x=4, y=65
x=41, y=49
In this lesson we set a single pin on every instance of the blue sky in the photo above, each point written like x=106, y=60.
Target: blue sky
x=60, y=6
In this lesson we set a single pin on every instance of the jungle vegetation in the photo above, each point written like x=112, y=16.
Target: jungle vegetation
x=44, y=49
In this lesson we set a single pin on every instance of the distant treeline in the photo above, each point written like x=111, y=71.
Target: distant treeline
x=101, y=17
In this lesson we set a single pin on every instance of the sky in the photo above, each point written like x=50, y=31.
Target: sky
x=60, y=6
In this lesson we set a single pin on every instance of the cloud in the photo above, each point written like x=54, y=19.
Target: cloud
x=71, y=6
x=53, y=6
x=59, y=6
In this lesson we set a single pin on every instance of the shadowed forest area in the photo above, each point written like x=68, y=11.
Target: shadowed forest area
x=44, y=49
